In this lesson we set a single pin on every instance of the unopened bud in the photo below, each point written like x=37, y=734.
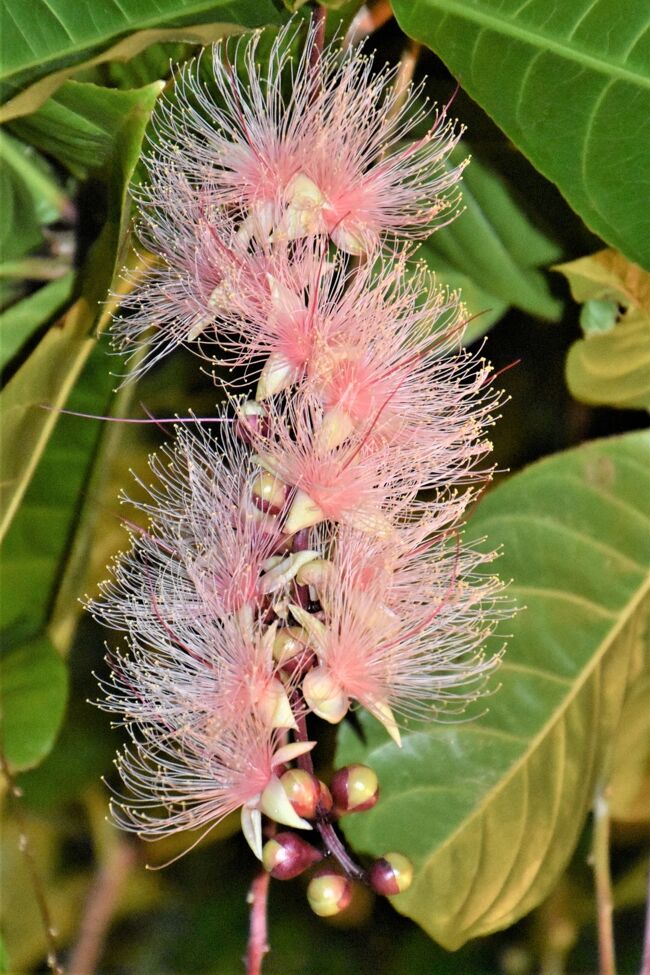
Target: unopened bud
x=324, y=696
x=251, y=420
x=289, y=642
x=325, y=802
x=287, y=856
x=328, y=892
x=391, y=874
x=269, y=493
x=303, y=791
x=354, y=788
x=314, y=573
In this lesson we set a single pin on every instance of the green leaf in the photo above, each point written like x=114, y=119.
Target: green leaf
x=49, y=201
x=22, y=321
x=33, y=698
x=46, y=35
x=111, y=124
x=20, y=228
x=611, y=365
x=569, y=84
x=40, y=538
x=491, y=251
x=490, y=810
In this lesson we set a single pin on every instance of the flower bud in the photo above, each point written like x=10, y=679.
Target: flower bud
x=287, y=856
x=251, y=420
x=328, y=892
x=289, y=642
x=324, y=696
x=391, y=874
x=354, y=788
x=303, y=791
x=269, y=493
x=325, y=802
x=314, y=573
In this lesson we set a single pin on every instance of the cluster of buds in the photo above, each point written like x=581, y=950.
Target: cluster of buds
x=291, y=569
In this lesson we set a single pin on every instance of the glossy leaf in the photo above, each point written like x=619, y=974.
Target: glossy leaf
x=490, y=810
x=111, y=124
x=569, y=84
x=46, y=35
x=611, y=365
x=492, y=251
x=22, y=321
x=33, y=695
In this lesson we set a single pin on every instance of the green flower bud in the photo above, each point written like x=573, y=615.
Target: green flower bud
x=391, y=874
x=329, y=892
x=354, y=788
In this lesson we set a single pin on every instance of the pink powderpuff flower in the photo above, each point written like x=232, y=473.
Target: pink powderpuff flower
x=390, y=361
x=213, y=670
x=360, y=482
x=195, y=264
x=403, y=627
x=178, y=782
x=207, y=542
x=315, y=145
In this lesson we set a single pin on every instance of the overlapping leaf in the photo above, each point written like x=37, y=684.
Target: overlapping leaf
x=490, y=810
x=569, y=83
x=44, y=36
x=611, y=364
x=107, y=126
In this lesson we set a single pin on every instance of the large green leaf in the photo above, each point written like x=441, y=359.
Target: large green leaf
x=110, y=125
x=490, y=810
x=569, y=83
x=22, y=321
x=45, y=35
x=33, y=696
x=611, y=364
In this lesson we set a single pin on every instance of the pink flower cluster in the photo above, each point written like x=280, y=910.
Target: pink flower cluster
x=304, y=557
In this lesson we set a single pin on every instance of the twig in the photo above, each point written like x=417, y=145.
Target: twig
x=368, y=19
x=645, y=964
x=407, y=65
x=257, y=938
x=100, y=906
x=604, y=901
x=24, y=845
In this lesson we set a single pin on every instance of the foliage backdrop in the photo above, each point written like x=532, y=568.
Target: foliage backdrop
x=556, y=98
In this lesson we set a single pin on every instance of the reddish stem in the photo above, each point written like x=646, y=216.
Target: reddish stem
x=333, y=843
x=257, y=938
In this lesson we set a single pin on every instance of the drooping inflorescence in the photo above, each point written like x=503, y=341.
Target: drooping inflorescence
x=304, y=557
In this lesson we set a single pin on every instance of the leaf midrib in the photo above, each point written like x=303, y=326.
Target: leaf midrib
x=504, y=781
x=531, y=37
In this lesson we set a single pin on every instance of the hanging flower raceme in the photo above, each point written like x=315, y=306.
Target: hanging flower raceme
x=306, y=558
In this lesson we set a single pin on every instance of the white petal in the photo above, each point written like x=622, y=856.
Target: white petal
x=251, y=825
x=303, y=513
x=281, y=573
x=275, y=803
x=288, y=752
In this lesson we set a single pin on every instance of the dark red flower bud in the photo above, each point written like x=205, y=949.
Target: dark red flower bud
x=391, y=874
x=329, y=892
x=287, y=855
x=354, y=788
